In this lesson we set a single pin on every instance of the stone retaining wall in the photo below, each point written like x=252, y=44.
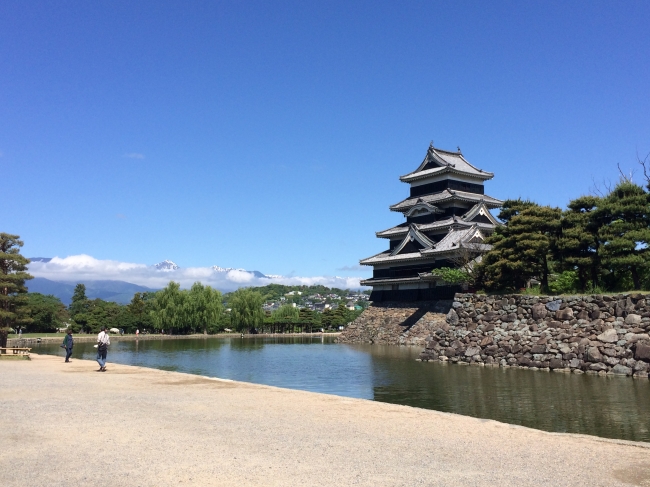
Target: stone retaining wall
x=593, y=334
x=396, y=323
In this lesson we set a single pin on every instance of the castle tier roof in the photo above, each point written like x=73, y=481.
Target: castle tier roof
x=444, y=196
x=438, y=161
x=402, y=229
x=457, y=238
x=464, y=221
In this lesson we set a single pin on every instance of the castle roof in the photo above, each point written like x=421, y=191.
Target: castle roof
x=402, y=229
x=444, y=196
x=438, y=161
x=457, y=238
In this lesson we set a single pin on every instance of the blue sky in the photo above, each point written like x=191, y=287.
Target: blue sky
x=271, y=135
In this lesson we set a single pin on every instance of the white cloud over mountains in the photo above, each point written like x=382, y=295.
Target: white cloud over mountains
x=86, y=268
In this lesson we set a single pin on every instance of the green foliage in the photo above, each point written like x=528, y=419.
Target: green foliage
x=273, y=292
x=204, y=307
x=341, y=316
x=625, y=234
x=452, y=276
x=186, y=311
x=80, y=307
x=564, y=283
x=597, y=244
x=246, y=309
x=13, y=292
x=578, y=244
x=47, y=313
x=285, y=313
x=523, y=248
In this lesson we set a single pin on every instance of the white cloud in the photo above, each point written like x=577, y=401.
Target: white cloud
x=354, y=268
x=86, y=268
x=134, y=155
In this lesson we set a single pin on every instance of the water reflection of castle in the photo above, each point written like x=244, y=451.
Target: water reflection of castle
x=447, y=219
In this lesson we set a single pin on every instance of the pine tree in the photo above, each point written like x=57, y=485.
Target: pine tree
x=625, y=234
x=13, y=292
x=341, y=315
x=578, y=246
x=523, y=248
x=80, y=307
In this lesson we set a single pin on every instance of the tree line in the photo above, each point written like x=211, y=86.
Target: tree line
x=599, y=243
x=200, y=309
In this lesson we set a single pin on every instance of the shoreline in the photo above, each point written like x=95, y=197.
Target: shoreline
x=86, y=338
x=158, y=427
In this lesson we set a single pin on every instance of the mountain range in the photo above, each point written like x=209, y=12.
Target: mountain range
x=168, y=265
x=118, y=291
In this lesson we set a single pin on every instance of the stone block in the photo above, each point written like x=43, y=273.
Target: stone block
x=642, y=351
x=538, y=349
x=539, y=311
x=633, y=319
x=554, y=305
x=608, y=336
x=564, y=314
x=598, y=367
x=594, y=355
x=621, y=370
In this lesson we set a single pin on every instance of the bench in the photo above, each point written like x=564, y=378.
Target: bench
x=15, y=352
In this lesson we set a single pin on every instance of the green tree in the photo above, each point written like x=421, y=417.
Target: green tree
x=523, y=248
x=204, y=308
x=341, y=315
x=169, y=311
x=47, y=313
x=327, y=318
x=286, y=313
x=578, y=246
x=625, y=234
x=13, y=292
x=452, y=276
x=80, y=307
x=246, y=309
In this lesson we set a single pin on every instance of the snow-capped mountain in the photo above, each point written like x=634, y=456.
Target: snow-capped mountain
x=216, y=268
x=166, y=265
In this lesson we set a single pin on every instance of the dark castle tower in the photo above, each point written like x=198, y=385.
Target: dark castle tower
x=447, y=216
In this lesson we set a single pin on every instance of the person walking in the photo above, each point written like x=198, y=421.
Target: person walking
x=68, y=343
x=103, y=341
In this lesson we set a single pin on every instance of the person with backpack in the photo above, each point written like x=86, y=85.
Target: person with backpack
x=103, y=341
x=68, y=343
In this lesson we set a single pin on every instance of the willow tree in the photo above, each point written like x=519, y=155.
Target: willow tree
x=246, y=309
x=169, y=308
x=204, y=307
x=13, y=292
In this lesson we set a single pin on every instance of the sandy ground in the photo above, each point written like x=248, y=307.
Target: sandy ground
x=66, y=424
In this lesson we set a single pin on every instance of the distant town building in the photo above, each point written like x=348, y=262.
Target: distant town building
x=447, y=220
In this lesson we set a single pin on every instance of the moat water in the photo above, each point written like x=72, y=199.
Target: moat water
x=611, y=407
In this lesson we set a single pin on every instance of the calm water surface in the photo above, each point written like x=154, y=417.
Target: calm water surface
x=613, y=407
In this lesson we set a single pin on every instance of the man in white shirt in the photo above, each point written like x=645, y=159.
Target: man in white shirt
x=103, y=341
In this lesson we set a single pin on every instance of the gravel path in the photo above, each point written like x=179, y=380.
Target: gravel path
x=66, y=424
